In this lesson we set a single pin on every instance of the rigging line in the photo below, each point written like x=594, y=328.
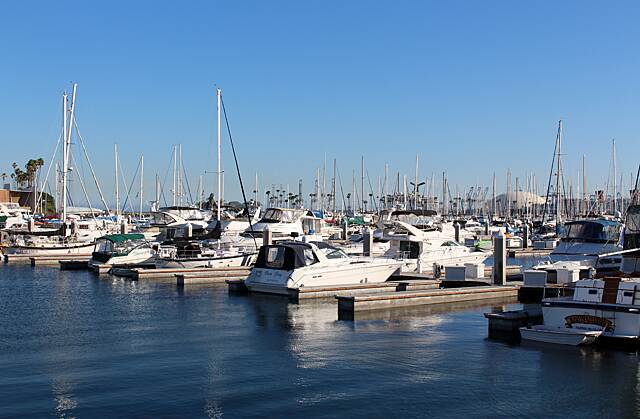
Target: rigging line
x=553, y=162
x=235, y=158
x=84, y=189
x=46, y=179
x=344, y=204
x=126, y=199
x=93, y=173
x=186, y=179
x=635, y=188
x=166, y=175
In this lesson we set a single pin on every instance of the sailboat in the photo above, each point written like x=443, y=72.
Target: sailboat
x=71, y=234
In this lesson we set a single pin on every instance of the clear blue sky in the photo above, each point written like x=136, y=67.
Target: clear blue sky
x=474, y=87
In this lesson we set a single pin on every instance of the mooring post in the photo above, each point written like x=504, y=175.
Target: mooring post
x=456, y=228
x=345, y=230
x=525, y=236
x=367, y=241
x=267, y=236
x=189, y=230
x=499, y=259
x=486, y=227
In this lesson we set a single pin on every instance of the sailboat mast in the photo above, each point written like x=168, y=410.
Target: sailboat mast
x=115, y=156
x=63, y=197
x=141, y=181
x=333, y=186
x=615, y=174
x=362, y=184
x=173, y=192
x=65, y=168
x=558, y=174
x=415, y=185
x=585, y=206
x=219, y=97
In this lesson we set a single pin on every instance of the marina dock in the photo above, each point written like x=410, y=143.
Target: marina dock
x=138, y=273
x=349, y=305
x=35, y=259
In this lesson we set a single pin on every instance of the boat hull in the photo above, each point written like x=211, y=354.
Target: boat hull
x=560, y=335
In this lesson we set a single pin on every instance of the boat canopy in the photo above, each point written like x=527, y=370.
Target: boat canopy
x=286, y=256
x=593, y=231
x=120, y=238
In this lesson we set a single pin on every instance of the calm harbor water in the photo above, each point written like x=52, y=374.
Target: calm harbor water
x=75, y=345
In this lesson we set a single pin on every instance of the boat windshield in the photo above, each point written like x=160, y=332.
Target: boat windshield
x=103, y=246
x=287, y=257
x=161, y=219
x=590, y=231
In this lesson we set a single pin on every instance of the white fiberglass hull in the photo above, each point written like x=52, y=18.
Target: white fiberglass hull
x=620, y=321
x=559, y=335
x=275, y=281
x=51, y=250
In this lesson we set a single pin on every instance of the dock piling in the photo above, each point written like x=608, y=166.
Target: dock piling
x=499, y=260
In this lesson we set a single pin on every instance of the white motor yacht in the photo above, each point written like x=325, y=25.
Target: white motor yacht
x=122, y=249
x=421, y=250
x=293, y=264
x=589, y=243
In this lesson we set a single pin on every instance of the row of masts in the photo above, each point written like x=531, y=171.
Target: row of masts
x=407, y=192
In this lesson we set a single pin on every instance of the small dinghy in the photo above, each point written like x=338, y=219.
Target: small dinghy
x=560, y=335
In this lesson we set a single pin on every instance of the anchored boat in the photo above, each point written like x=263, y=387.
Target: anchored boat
x=293, y=264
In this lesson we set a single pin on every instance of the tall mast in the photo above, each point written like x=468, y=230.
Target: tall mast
x=333, y=186
x=585, y=205
x=558, y=174
x=323, y=194
x=157, y=193
x=175, y=160
x=115, y=157
x=179, y=174
x=615, y=174
x=67, y=140
x=63, y=197
x=219, y=97
x=415, y=186
x=141, y=181
x=385, y=190
x=362, y=184
x=493, y=206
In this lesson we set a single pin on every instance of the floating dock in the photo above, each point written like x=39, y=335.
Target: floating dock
x=507, y=323
x=349, y=305
x=208, y=279
x=55, y=260
x=35, y=259
x=73, y=265
x=142, y=273
x=306, y=293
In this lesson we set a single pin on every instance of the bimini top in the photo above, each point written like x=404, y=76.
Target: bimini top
x=285, y=256
x=119, y=238
x=594, y=231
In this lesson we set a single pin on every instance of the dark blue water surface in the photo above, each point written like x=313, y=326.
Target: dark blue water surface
x=75, y=345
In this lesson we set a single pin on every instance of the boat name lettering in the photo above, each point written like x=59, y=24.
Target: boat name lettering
x=588, y=319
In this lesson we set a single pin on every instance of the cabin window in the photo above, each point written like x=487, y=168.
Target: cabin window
x=593, y=292
x=409, y=249
x=309, y=258
x=275, y=257
x=628, y=294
